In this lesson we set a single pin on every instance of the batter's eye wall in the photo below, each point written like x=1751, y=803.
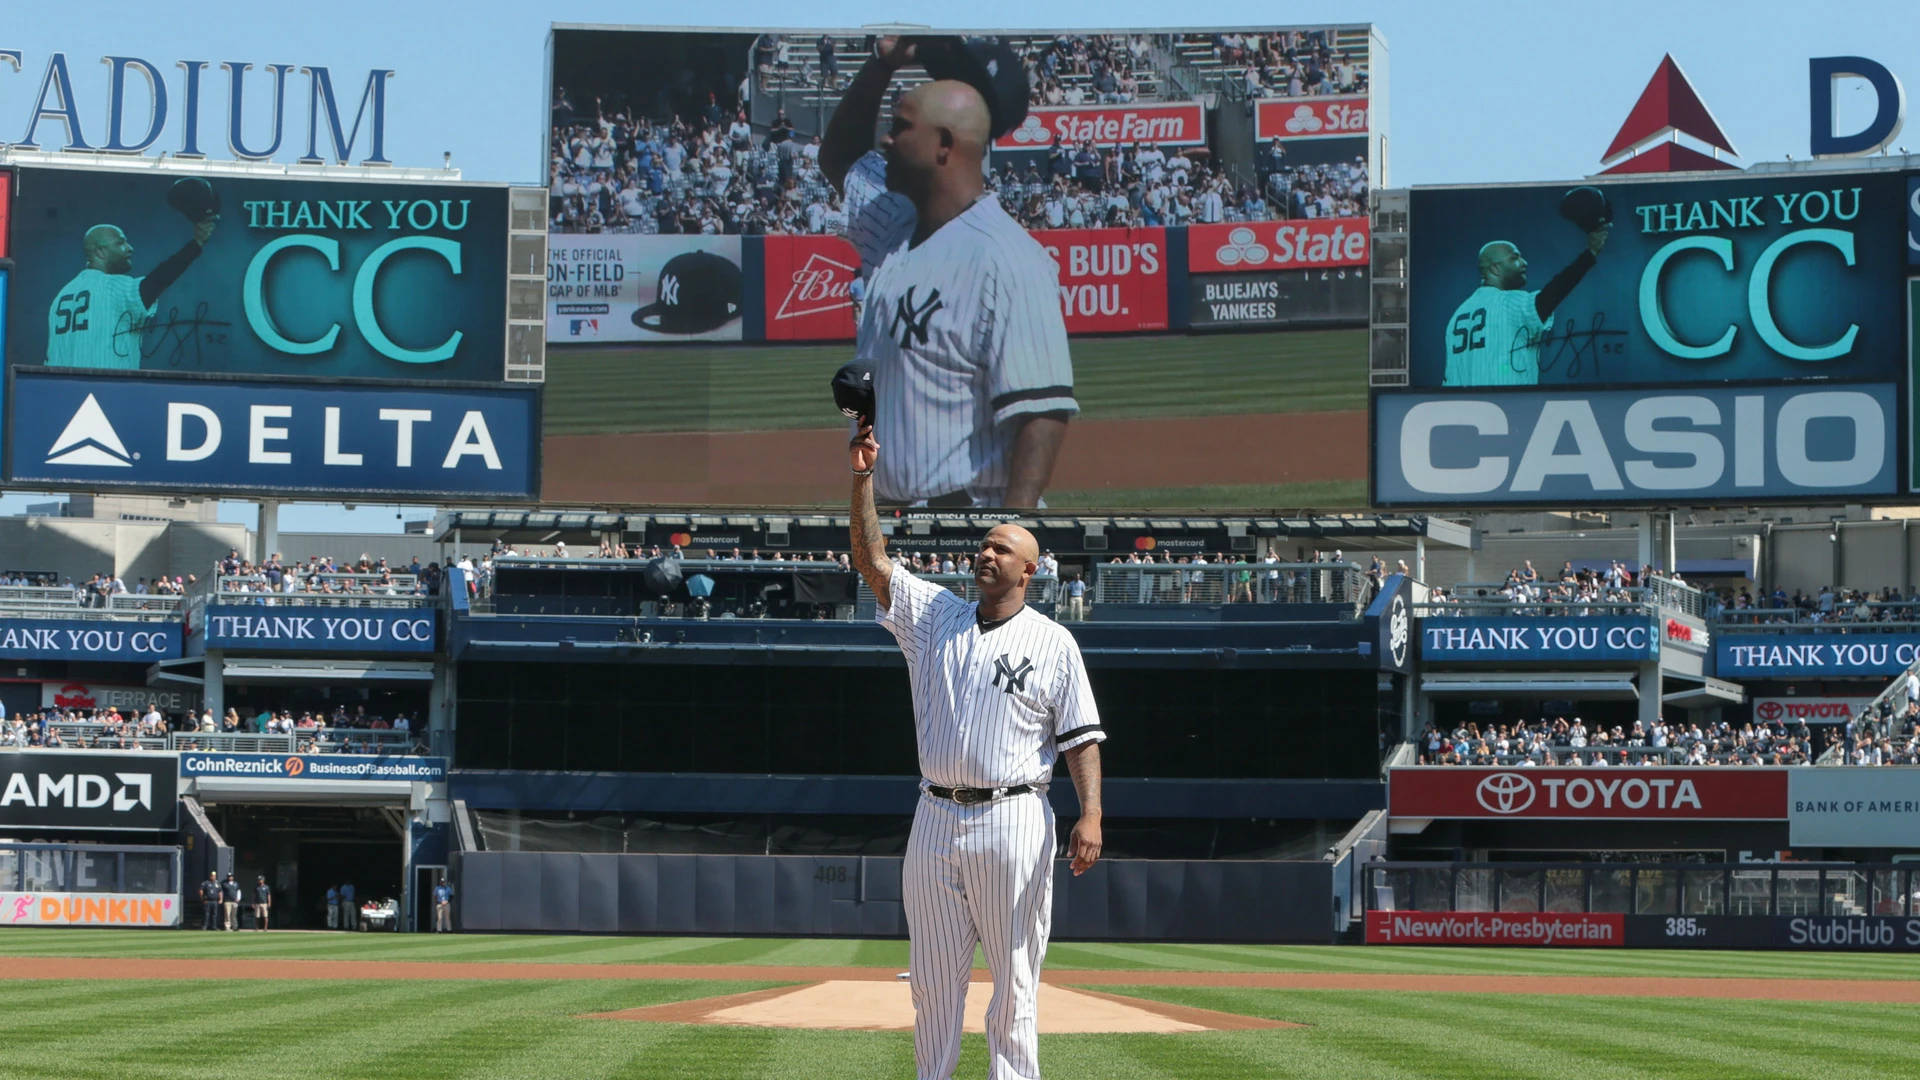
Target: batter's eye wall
x=1172, y=724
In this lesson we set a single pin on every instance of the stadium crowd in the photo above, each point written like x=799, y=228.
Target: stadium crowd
x=107, y=728
x=1564, y=742
x=1287, y=63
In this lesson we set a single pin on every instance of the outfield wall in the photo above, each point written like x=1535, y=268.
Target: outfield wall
x=1118, y=900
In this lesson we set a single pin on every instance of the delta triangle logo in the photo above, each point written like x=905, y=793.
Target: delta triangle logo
x=89, y=439
x=1648, y=142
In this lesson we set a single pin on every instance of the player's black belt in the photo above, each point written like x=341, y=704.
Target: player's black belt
x=967, y=796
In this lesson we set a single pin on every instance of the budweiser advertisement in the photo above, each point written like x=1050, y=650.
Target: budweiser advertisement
x=1312, y=244
x=1813, y=710
x=1111, y=280
x=1310, y=118
x=1623, y=793
x=1494, y=928
x=1180, y=124
x=810, y=288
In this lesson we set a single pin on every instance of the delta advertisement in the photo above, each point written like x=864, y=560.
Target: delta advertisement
x=93, y=432
x=233, y=274
x=706, y=188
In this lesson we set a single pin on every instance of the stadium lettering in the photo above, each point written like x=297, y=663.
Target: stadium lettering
x=1653, y=314
x=1102, y=127
x=1875, y=656
x=1304, y=244
x=319, y=628
x=1591, y=458
x=1528, y=639
x=55, y=103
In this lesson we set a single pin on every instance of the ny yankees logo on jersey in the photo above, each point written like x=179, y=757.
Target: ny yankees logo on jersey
x=1016, y=677
x=915, y=316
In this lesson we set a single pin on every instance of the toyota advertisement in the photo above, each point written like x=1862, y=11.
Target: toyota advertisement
x=730, y=194
x=1645, y=794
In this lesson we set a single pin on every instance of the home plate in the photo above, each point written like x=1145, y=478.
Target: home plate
x=888, y=1006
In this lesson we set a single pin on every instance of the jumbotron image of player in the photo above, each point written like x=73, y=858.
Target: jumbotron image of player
x=1494, y=337
x=96, y=320
x=961, y=325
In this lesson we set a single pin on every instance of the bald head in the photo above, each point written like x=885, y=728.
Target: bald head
x=107, y=249
x=1009, y=556
x=1502, y=266
x=935, y=148
x=1020, y=540
x=956, y=106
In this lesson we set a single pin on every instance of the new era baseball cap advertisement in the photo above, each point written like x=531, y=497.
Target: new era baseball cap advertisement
x=724, y=207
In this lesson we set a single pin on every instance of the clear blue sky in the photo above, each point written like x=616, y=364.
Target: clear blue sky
x=1477, y=91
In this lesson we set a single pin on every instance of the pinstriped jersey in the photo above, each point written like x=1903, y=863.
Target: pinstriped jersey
x=991, y=708
x=96, y=320
x=1494, y=339
x=964, y=334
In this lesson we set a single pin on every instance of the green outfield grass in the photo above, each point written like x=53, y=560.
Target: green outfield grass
x=769, y=387
x=837, y=952
x=504, y=1030
x=378, y=1030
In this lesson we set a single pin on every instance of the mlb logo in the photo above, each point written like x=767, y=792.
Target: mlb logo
x=589, y=327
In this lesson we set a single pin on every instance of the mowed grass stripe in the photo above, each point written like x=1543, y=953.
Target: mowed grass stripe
x=892, y=953
x=775, y=387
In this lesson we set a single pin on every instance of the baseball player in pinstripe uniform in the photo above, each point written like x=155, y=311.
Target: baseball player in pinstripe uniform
x=999, y=693
x=1494, y=337
x=973, y=385
x=96, y=319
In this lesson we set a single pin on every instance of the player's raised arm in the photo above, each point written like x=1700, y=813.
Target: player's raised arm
x=868, y=549
x=849, y=133
x=1563, y=282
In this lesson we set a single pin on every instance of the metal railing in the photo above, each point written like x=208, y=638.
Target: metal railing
x=1673, y=888
x=232, y=742
x=1888, y=617
x=67, y=602
x=1495, y=608
x=1341, y=583
x=339, y=591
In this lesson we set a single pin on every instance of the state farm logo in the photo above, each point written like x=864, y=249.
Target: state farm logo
x=1304, y=121
x=822, y=285
x=1032, y=131
x=1242, y=246
x=1504, y=793
x=1770, y=710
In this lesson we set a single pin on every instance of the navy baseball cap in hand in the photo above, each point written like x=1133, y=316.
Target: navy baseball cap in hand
x=698, y=292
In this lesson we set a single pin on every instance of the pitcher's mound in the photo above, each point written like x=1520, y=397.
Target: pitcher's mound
x=888, y=1006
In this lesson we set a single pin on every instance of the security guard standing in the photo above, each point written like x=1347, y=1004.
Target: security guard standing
x=262, y=900
x=230, y=902
x=210, y=901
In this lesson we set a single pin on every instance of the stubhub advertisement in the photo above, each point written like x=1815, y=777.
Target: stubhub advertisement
x=96, y=432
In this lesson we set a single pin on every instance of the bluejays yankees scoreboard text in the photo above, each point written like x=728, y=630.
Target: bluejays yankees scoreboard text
x=1657, y=342
x=181, y=332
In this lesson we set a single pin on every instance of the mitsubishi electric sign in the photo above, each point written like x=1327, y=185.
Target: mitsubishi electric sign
x=42, y=789
x=95, y=432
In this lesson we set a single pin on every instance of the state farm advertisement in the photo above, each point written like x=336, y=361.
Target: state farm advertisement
x=1111, y=280
x=1311, y=244
x=1310, y=118
x=1491, y=928
x=809, y=288
x=1813, y=710
x=1620, y=793
x=1180, y=124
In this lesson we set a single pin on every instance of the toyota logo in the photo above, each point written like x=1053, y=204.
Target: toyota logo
x=1505, y=793
x=1770, y=710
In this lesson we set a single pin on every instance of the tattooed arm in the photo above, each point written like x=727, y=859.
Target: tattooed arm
x=869, y=547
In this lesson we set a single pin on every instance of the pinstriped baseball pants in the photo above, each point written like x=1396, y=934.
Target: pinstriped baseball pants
x=981, y=873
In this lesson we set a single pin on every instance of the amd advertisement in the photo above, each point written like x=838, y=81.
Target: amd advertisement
x=731, y=194
x=84, y=790
x=1757, y=320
